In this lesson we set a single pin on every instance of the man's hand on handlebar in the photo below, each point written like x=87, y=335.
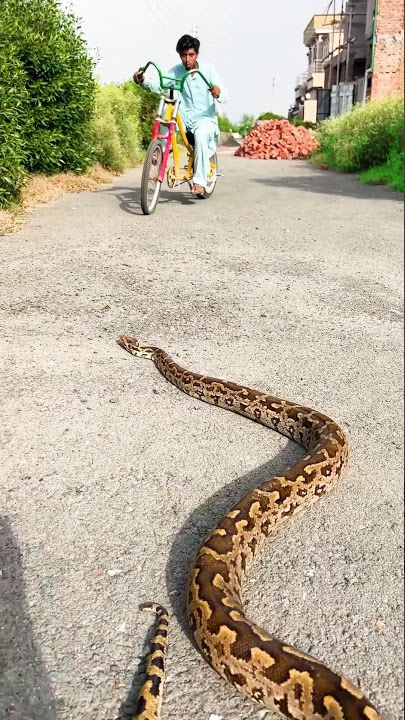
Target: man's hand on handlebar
x=138, y=77
x=215, y=91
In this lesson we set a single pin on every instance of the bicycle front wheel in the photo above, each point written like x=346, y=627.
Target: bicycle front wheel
x=212, y=178
x=150, y=184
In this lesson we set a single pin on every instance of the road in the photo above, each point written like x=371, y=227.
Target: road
x=288, y=279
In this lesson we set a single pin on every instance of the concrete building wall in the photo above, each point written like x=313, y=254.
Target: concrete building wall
x=310, y=110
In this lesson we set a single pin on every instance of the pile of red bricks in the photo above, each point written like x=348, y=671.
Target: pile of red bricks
x=277, y=140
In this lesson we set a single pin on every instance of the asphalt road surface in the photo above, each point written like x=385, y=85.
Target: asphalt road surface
x=287, y=279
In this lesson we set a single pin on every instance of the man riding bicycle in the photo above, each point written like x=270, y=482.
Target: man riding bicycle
x=197, y=107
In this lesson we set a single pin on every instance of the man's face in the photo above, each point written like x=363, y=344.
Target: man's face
x=189, y=59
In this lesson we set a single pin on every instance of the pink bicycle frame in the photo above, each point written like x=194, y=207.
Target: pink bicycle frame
x=171, y=127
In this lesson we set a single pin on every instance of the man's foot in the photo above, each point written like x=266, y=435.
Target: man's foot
x=197, y=189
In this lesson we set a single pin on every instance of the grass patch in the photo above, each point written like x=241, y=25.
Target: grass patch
x=41, y=189
x=369, y=139
x=363, y=137
x=318, y=158
x=390, y=173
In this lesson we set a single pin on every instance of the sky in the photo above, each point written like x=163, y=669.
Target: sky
x=255, y=45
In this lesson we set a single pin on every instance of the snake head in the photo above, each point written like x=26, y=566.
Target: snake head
x=132, y=346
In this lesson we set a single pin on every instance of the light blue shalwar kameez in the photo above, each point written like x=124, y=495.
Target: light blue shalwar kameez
x=197, y=111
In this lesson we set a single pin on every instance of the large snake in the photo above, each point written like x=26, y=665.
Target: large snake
x=266, y=669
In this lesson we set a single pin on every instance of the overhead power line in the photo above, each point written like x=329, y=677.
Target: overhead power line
x=151, y=10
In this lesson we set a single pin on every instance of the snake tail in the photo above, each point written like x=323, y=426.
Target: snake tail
x=150, y=697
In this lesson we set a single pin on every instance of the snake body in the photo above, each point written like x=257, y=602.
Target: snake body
x=259, y=665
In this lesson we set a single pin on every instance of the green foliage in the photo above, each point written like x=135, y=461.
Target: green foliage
x=270, y=116
x=390, y=173
x=225, y=125
x=303, y=123
x=363, y=137
x=148, y=105
x=13, y=99
x=246, y=123
x=116, y=126
x=54, y=91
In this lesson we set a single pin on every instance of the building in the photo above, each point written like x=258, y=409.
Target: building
x=385, y=34
x=351, y=57
x=322, y=37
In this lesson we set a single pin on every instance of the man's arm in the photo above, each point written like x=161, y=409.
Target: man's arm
x=216, y=84
x=152, y=84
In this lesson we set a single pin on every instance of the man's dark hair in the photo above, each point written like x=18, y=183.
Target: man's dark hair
x=187, y=42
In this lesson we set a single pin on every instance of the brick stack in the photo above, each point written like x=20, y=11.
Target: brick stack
x=277, y=140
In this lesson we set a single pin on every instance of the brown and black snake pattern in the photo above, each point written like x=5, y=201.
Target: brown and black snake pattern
x=150, y=696
x=259, y=665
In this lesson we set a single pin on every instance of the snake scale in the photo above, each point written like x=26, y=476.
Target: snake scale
x=259, y=665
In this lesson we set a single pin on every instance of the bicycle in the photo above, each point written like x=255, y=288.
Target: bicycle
x=155, y=165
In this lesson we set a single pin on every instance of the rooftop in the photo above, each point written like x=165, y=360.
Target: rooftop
x=321, y=24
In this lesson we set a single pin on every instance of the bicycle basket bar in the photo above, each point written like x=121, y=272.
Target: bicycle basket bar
x=175, y=83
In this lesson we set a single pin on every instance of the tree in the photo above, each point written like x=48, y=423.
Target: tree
x=246, y=124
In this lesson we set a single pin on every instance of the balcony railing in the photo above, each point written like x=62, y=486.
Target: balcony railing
x=316, y=67
x=301, y=79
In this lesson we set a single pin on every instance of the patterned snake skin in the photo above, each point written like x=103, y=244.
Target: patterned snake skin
x=259, y=665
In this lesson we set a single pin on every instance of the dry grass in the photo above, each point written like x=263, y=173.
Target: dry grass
x=41, y=189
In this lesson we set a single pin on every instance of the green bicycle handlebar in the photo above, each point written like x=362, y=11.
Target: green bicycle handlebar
x=175, y=83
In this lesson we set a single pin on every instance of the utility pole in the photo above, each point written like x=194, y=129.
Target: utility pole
x=349, y=41
x=338, y=58
x=273, y=84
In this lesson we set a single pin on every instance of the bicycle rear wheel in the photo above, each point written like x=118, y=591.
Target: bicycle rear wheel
x=150, y=184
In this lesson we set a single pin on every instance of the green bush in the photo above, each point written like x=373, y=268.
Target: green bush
x=13, y=99
x=225, y=125
x=390, y=173
x=303, y=123
x=116, y=126
x=270, y=116
x=246, y=123
x=54, y=91
x=148, y=105
x=363, y=137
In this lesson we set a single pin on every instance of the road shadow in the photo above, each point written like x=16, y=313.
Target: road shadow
x=129, y=198
x=331, y=183
x=188, y=540
x=25, y=691
x=191, y=536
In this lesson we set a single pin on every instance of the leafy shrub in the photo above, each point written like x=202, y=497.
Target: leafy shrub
x=116, y=126
x=225, y=125
x=54, y=91
x=246, y=124
x=365, y=136
x=390, y=173
x=303, y=123
x=13, y=99
x=270, y=116
x=148, y=105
